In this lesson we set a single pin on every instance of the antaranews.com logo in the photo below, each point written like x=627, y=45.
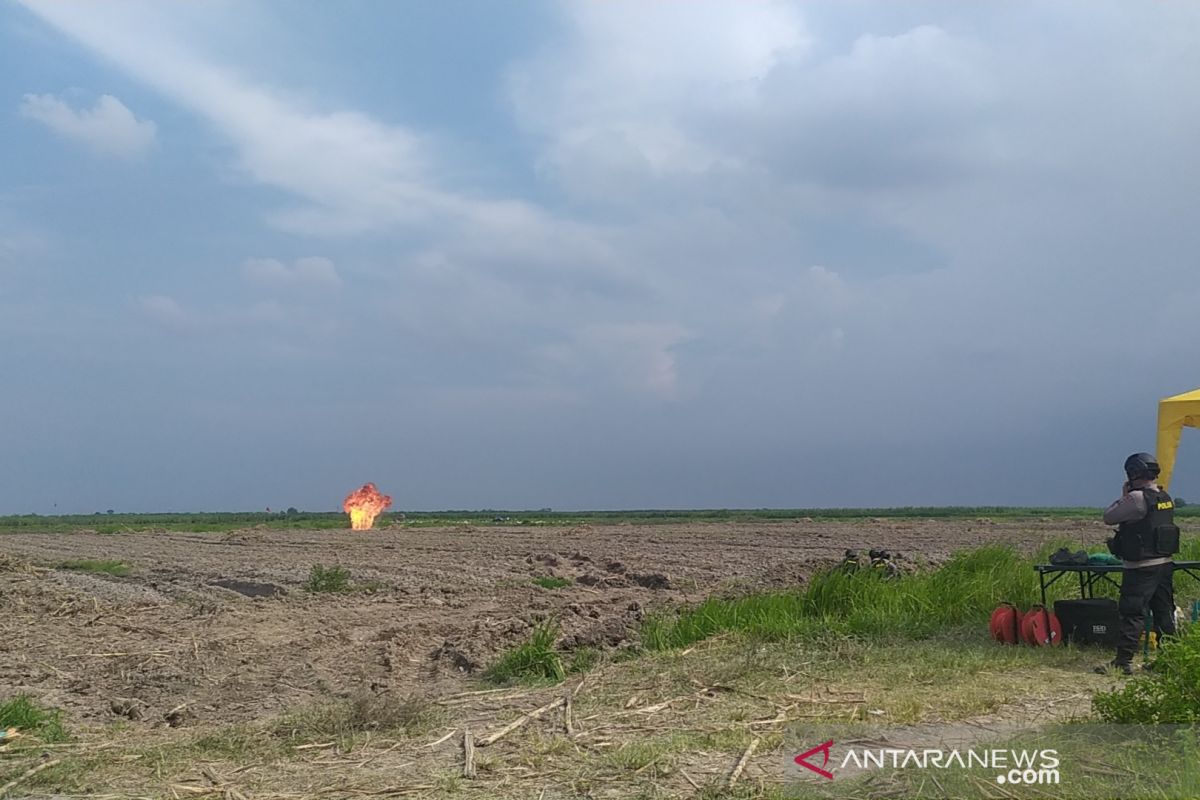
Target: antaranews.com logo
x=1033, y=767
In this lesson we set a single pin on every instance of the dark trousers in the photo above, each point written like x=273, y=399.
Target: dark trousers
x=1152, y=587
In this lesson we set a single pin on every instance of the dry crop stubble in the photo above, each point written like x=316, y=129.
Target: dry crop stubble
x=165, y=636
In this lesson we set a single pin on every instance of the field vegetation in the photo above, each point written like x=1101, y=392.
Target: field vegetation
x=103, y=566
x=23, y=714
x=226, y=521
x=712, y=676
x=327, y=579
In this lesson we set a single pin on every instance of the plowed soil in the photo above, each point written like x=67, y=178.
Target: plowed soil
x=220, y=624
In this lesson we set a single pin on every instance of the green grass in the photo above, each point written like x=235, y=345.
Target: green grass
x=362, y=713
x=551, y=582
x=1169, y=694
x=24, y=714
x=535, y=660
x=634, y=756
x=961, y=593
x=1189, y=550
x=965, y=589
x=104, y=566
x=952, y=676
x=337, y=579
x=236, y=743
x=583, y=659
x=538, y=660
x=945, y=677
x=327, y=579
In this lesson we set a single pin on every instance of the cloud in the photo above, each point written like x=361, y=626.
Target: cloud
x=261, y=326
x=615, y=95
x=652, y=54
x=108, y=127
x=862, y=226
x=351, y=172
x=969, y=189
x=720, y=99
x=902, y=109
x=166, y=312
x=638, y=356
x=311, y=272
x=348, y=173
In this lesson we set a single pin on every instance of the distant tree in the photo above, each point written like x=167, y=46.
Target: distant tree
x=110, y=511
x=292, y=511
x=1180, y=502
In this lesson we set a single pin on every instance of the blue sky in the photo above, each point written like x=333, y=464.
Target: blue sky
x=592, y=255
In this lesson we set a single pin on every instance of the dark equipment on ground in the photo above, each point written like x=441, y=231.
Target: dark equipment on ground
x=1089, y=621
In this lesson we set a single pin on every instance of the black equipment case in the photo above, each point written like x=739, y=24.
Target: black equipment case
x=1089, y=621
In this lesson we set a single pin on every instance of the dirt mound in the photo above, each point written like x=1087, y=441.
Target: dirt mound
x=588, y=626
x=581, y=568
x=651, y=580
x=470, y=651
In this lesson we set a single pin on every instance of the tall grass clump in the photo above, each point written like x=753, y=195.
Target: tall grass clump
x=327, y=579
x=536, y=659
x=1169, y=693
x=770, y=616
x=1189, y=549
x=963, y=591
x=22, y=713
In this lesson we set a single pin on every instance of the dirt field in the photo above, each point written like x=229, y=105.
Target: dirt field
x=169, y=650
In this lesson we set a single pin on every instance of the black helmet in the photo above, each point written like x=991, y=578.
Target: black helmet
x=1141, y=465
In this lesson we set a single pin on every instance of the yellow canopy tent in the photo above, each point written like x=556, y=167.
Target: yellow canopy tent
x=1173, y=414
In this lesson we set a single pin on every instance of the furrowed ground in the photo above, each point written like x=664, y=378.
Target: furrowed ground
x=268, y=662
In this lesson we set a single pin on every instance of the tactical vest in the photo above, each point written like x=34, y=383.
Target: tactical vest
x=1154, y=535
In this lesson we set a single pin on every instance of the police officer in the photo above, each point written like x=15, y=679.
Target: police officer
x=1145, y=541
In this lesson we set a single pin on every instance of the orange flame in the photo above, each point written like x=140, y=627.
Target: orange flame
x=363, y=505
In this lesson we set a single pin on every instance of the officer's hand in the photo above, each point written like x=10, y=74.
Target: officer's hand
x=1124, y=488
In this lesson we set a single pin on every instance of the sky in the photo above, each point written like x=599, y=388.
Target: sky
x=593, y=255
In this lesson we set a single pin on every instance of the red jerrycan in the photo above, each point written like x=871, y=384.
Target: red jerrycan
x=1005, y=624
x=1040, y=627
